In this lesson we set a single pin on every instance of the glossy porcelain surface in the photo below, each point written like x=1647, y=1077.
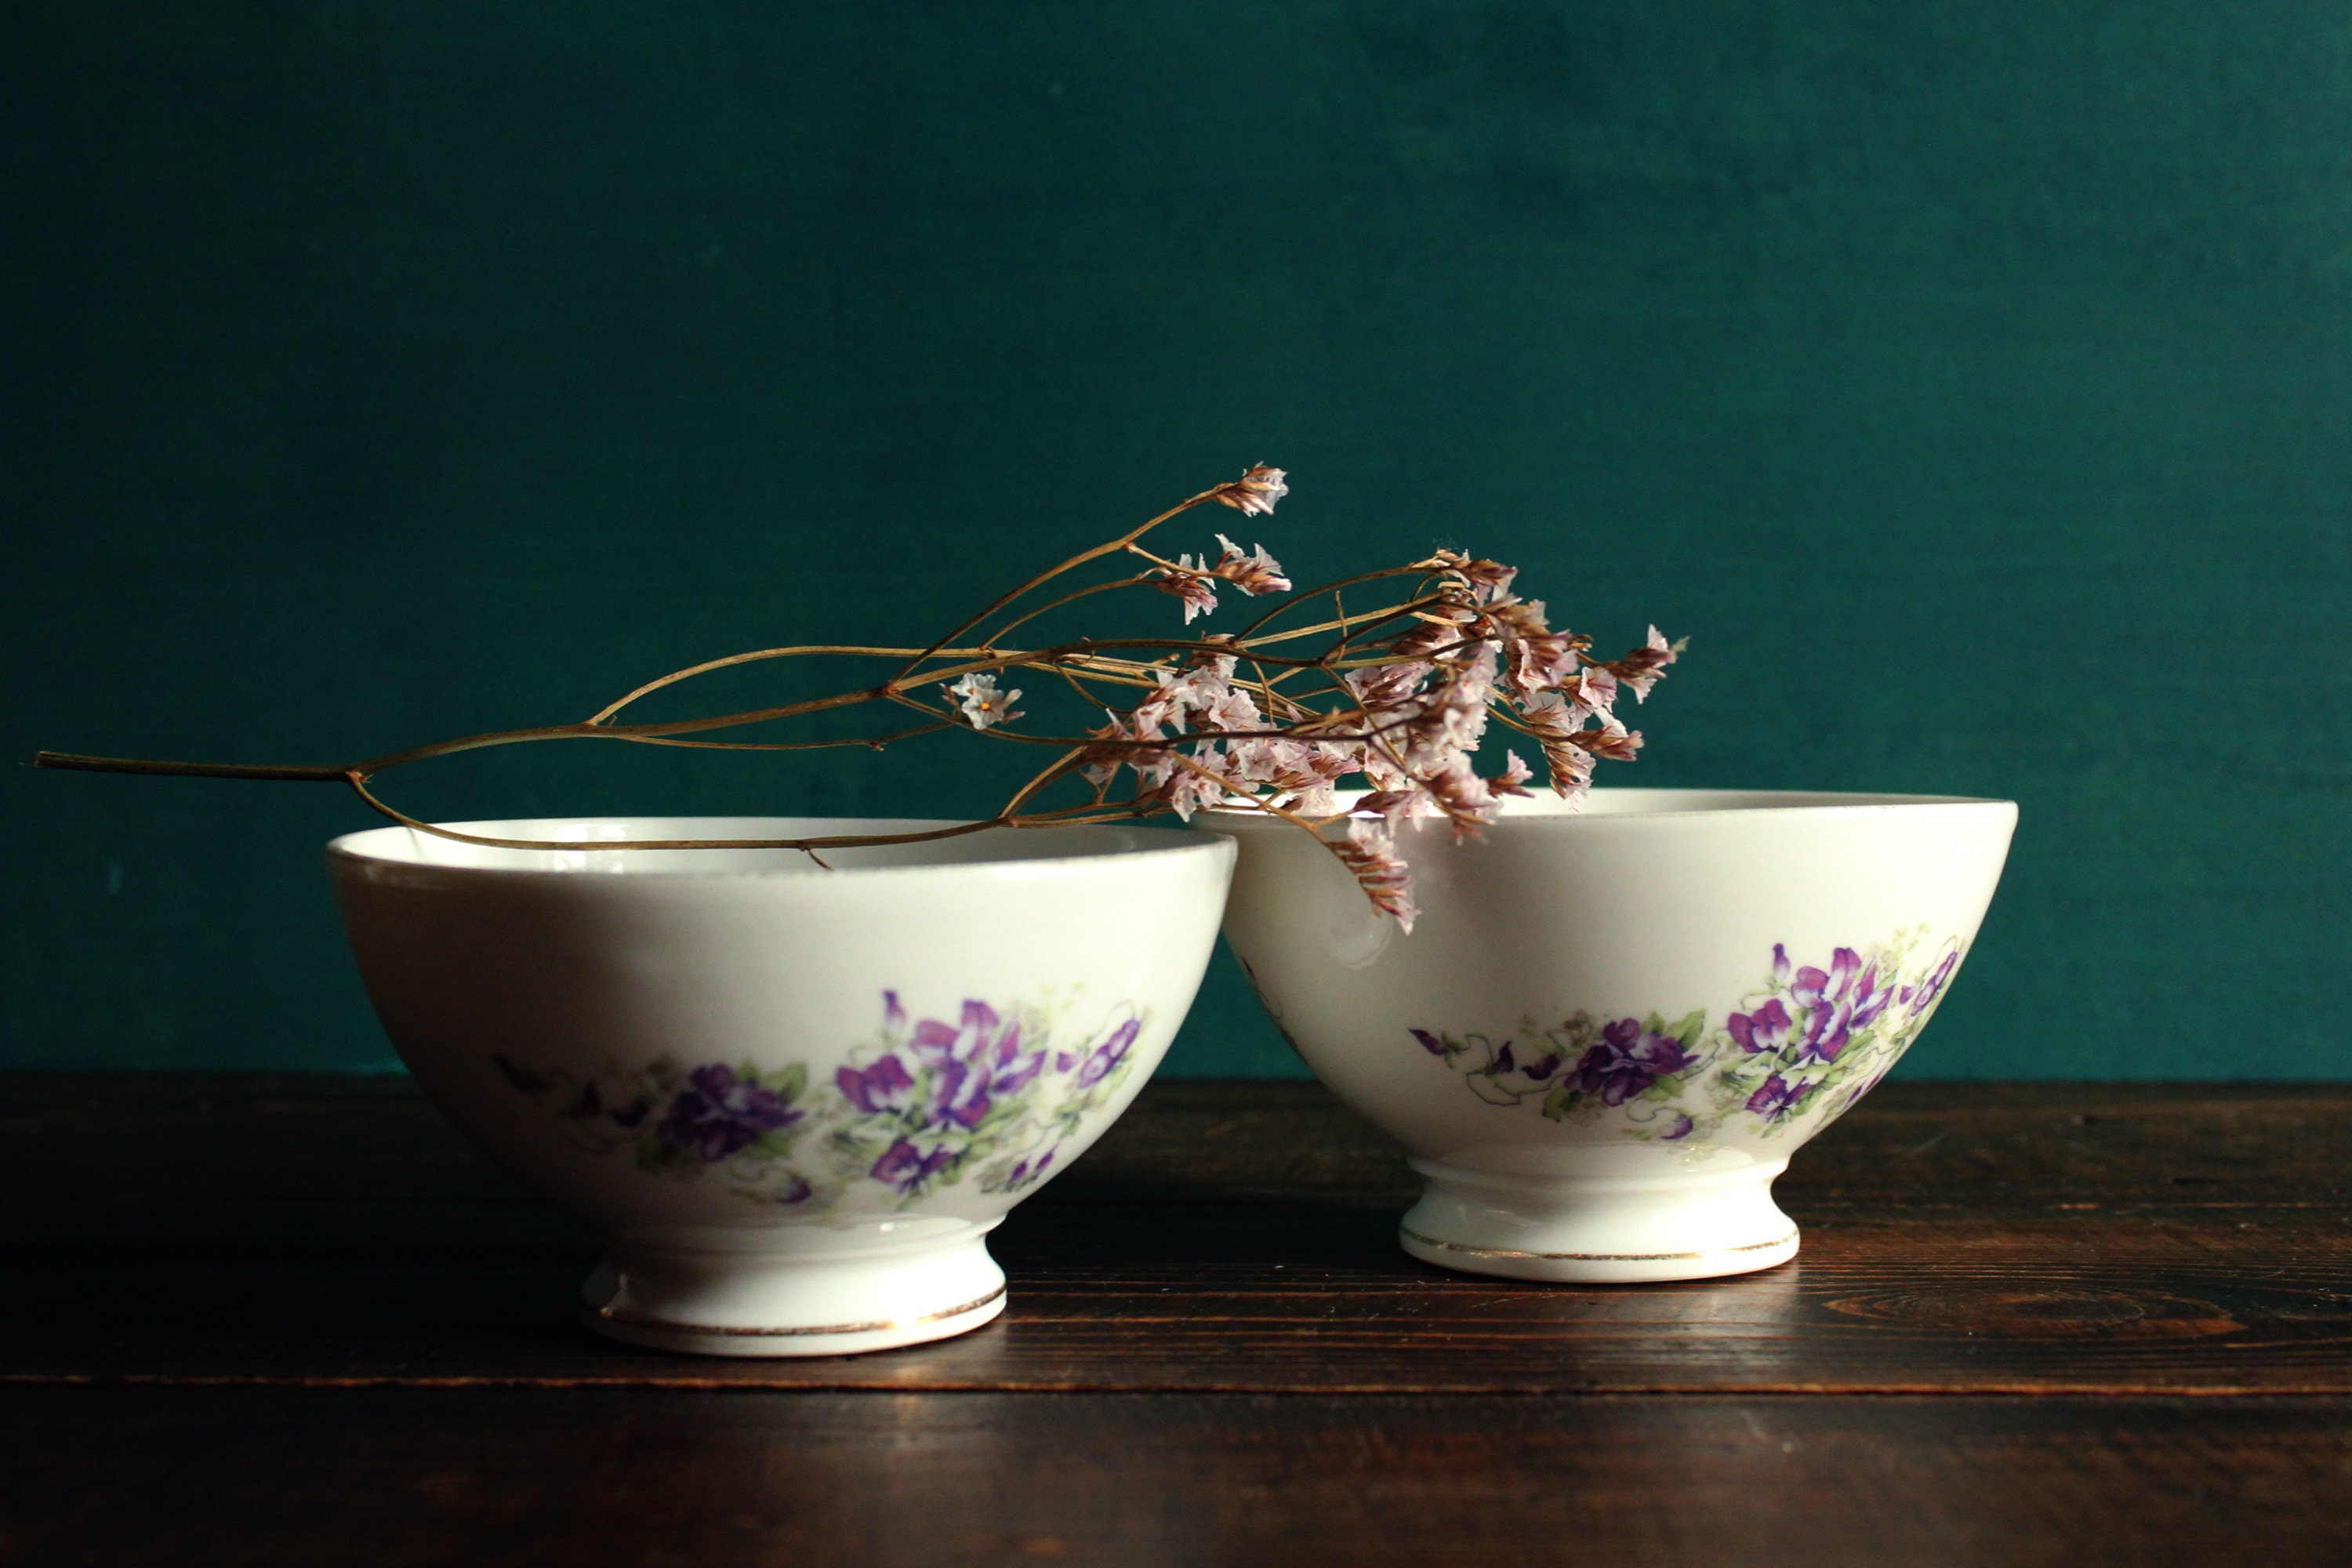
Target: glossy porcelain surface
x=790, y=1101
x=1610, y=1028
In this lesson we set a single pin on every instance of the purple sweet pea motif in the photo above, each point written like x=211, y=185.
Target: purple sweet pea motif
x=1110, y=1054
x=966, y=1061
x=879, y=1090
x=1812, y=985
x=1933, y=984
x=1870, y=999
x=1837, y=1005
x=1764, y=1030
x=719, y=1114
x=949, y=1097
x=984, y=1096
x=1807, y=1043
x=907, y=1167
x=1777, y=1098
x=1030, y=1169
x=1522, y=1066
x=967, y=1065
x=794, y=1190
x=1627, y=1061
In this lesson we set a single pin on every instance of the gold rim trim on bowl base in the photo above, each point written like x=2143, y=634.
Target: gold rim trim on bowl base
x=1412, y=1234
x=824, y=1339
x=1599, y=1267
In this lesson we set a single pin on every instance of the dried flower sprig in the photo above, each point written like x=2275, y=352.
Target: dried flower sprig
x=1399, y=695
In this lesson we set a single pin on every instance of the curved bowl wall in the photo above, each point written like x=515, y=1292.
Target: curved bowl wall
x=1670, y=987
x=743, y=1070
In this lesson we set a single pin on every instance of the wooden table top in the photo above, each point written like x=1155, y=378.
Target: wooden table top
x=297, y=1319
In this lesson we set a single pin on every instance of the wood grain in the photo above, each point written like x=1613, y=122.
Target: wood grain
x=289, y=1321
x=1222, y=1239
x=126, y=1476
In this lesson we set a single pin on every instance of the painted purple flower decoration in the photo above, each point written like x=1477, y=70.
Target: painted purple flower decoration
x=971, y=1062
x=1777, y=1098
x=1813, y=986
x=1765, y=1029
x=1108, y=1055
x=1533, y=1069
x=1030, y=1170
x=1930, y=987
x=907, y=1167
x=1814, y=1040
x=1627, y=1061
x=719, y=1114
x=795, y=1190
x=1838, y=1004
x=880, y=1089
x=931, y=1103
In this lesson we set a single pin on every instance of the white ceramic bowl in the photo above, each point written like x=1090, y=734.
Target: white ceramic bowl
x=1611, y=1026
x=790, y=1101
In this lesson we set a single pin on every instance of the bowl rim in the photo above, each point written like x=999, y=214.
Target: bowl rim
x=351, y=850
x=1755, y=802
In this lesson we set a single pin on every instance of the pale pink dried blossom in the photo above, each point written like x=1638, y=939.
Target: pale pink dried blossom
x=1488, y=579
x=1417, y=703
x=1194, y=587
x=1440, y=631
x=1317, y=800
x=1153, y=768
x=1253, y=573
x=1369, y=853
x=1400, y=696
x=1611, y=740
x=1101, y=764
x=1396, y=807
x=1232, y=710
x=1640, y=668
x=982, y=705
x=1255, y=492
x=1595, y=687
x=1193, y=789
x=1468, y=800
x=1381, y=685
x=1555, y=720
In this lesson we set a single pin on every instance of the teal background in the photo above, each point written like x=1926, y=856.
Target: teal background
x=1970, y=382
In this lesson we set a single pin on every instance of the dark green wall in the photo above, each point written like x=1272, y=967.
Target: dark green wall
x=1971, y=382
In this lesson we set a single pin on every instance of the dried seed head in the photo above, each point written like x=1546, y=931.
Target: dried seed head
x=1254, y=574
x=1188, y=583
x=1255, y=492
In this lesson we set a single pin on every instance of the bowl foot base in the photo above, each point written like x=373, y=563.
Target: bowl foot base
x=1598, y=1230
x=731, y=1305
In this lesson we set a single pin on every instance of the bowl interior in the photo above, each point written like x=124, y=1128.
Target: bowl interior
x=584, y=845
x=1663, y=803
x=1678, y=802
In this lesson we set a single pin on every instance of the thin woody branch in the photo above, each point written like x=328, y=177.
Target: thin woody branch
x=1398, y=696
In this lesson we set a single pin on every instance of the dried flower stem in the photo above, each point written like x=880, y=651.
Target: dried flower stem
x=1400, y=694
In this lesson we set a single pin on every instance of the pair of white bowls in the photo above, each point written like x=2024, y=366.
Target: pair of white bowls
x=792, y=1099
